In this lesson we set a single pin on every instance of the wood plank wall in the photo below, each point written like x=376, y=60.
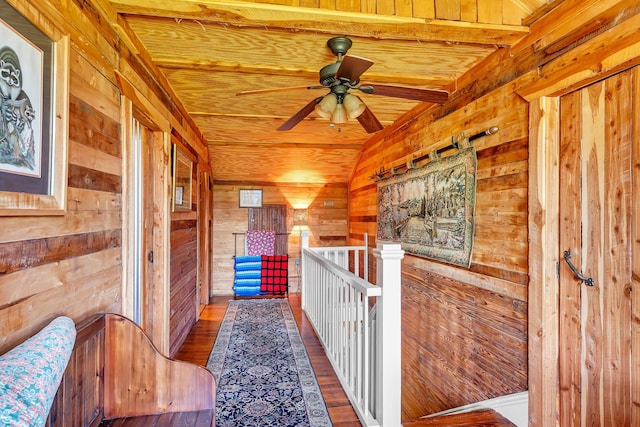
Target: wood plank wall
x=327, y=223
x=605, y=35
x=500, y=12
x=71, y=264
x=183, y=299
x=183, y=291
x=464, y=330
x=487, y=304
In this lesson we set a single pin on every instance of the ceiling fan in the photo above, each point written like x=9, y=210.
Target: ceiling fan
x=343, y=76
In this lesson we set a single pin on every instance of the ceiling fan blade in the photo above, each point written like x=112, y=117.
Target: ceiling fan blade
x=279, y=89
x=300, y=115
x=424, y=95
x=352, y=67
x=369, y=121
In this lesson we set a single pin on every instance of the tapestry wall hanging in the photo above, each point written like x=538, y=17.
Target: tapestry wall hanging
x=430, y=209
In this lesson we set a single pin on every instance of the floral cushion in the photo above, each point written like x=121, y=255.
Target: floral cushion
x=31, y=373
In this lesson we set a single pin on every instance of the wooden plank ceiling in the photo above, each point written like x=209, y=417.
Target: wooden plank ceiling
x=209, y=50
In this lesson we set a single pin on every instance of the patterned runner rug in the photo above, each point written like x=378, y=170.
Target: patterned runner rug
x=262, y=369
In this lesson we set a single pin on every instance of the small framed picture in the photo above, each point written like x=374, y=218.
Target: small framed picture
x=250, y=198
x=182, y=170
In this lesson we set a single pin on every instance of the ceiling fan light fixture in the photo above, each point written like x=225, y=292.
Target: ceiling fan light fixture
x=353, y=105
x=327, y=106
x=340, y=115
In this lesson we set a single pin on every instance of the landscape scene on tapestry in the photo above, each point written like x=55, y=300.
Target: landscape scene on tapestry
x=20, y=92
x=430, y=209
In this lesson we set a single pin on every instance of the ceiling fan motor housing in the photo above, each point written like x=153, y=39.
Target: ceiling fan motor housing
x=328, y=74
x=339, y=46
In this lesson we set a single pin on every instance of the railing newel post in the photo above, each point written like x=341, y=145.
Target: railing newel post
x=304, y=244
x=388, y=337
x=366, y=257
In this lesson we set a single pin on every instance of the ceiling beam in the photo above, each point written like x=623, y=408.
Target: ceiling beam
x=240, y=13
x=311, y=74
x=249, y=145
x=258, y=116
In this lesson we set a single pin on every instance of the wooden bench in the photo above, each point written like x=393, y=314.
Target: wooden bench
x=116, y=377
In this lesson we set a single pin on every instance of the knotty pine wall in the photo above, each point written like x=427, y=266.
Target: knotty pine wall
x=71, y=264
x=327, y=224
x=183, y=291
x=464, y=330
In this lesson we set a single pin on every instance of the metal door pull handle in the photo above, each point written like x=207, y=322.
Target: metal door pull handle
x=583, y=278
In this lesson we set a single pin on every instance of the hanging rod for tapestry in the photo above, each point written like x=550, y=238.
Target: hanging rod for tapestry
x=434, y=155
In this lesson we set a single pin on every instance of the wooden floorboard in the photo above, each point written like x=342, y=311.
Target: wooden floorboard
x=199, y=342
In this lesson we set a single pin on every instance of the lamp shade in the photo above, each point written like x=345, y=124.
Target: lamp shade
x=340, y=115
x=353, y=105
x=327, y=106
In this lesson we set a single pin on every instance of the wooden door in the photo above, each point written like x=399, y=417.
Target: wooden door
x=595, y=330
x=204, y=238
x=271, y=217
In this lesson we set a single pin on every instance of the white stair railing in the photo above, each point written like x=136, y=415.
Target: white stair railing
x=358, y=324
x=342, y=255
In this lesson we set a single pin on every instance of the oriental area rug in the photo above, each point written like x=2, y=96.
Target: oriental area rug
x=262, y=369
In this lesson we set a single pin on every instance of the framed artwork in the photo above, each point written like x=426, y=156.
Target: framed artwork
x=182, y=170
x=430, y=210
x=300, y=216
x=34, y=81
x=179, y=192
x=250, y=198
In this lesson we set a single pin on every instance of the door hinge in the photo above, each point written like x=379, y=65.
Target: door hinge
x=150, y=256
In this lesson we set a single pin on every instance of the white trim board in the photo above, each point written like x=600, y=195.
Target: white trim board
x=514, y=407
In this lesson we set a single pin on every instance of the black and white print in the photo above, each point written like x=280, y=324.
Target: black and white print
x=20, y=103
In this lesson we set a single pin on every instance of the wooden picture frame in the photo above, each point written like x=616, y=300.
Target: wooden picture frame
x=33, y=155
x=250, y=198
x=182, y=181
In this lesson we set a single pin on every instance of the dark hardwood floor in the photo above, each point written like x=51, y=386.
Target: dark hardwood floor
x=199, y=343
